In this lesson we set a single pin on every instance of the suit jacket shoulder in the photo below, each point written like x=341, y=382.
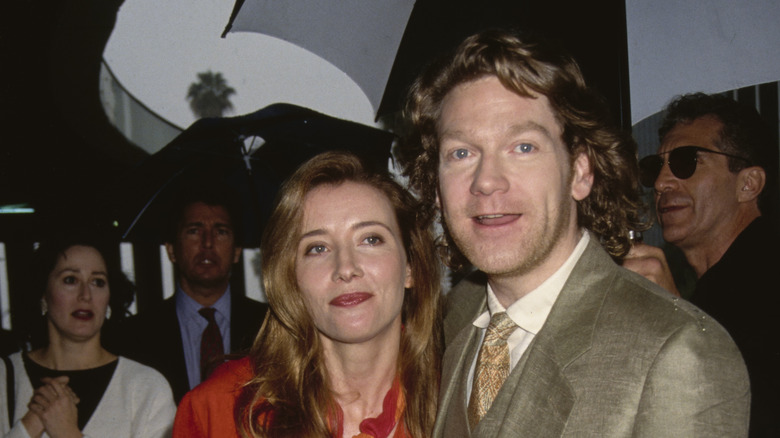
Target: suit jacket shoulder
x=617, y=356
x=464, y=303
x=246, y=317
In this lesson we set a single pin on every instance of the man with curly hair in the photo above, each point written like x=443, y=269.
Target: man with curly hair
x=538, y=191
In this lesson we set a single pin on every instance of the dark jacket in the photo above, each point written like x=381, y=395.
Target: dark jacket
x=153, y=338
x=741, y=292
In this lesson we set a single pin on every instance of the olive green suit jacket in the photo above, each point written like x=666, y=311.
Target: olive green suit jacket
x=617, y=357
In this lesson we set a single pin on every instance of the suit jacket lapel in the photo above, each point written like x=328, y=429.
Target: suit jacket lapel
x=537, y=396
x=540, y=397
x=176, y=367
x=458, y=355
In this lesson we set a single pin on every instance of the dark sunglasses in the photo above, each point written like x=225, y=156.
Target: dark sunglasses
x=682, y=162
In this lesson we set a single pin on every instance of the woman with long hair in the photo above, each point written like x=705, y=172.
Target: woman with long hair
x=68, y=384
x=351, y=345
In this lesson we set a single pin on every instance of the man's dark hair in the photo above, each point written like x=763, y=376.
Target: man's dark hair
x=744, y=134
x=213, y=195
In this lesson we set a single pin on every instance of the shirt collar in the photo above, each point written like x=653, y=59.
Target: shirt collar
x=530, y=312
x=190, y=306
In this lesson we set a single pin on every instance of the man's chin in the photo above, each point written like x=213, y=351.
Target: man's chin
x=209, y=281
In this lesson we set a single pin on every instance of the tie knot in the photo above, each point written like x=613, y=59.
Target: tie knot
x=500, y=328
x=208, y=313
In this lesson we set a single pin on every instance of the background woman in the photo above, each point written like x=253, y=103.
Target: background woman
x=351, y=346
x=68, y=384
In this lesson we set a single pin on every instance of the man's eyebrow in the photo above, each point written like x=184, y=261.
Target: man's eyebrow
x=518, y=128
x=530, y=126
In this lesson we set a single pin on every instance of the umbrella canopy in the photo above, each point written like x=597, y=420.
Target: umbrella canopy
x=251, y=155
x=359, y=37
x=362, y=37
x=703, y=45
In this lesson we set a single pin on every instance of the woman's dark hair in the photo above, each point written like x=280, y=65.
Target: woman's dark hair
x=45, y=258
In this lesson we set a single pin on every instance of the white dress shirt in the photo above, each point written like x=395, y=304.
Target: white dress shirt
x=529, y=312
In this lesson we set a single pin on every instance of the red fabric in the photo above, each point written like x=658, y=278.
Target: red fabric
x=207, y=410
x=380, y=427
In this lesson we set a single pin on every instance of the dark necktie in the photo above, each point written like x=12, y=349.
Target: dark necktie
x=212, y=352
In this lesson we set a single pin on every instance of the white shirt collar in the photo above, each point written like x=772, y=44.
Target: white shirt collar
x=531, y=311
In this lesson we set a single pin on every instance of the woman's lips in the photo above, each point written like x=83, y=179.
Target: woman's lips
x=350, y=299
x=83, y=314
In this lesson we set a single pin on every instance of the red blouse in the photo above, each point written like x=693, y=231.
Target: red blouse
x=207, y=410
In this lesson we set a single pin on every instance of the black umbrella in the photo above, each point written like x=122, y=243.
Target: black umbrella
x=251, y=155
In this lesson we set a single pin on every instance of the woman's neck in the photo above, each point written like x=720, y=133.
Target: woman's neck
x=66, y=355
x=361, y=375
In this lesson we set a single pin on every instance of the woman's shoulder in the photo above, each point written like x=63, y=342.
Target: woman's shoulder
x=136, y=373
x=227, y=378
x=208, y=408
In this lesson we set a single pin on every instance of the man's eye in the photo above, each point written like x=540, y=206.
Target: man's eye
x=524, y=148
x=460, y=154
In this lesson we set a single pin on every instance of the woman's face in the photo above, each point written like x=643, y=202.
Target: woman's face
x=350, y=263
x=77, y=294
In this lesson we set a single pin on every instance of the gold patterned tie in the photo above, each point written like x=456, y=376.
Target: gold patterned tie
x=492, y=366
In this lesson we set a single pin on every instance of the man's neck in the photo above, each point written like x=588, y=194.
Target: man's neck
x=703, y=257
x=206, y=296
x=511, y=287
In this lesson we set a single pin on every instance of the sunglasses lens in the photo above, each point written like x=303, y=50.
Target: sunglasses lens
x=682, y=162
x=649, y=168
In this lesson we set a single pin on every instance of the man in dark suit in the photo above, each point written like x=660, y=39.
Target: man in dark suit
x=550, y=337
x=715, y=183
x=176, y=337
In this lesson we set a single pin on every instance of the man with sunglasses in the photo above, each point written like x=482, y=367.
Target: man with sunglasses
x=715, y=183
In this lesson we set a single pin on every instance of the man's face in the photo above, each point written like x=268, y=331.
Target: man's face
x=696, y=210
x=507, y=188
x=205, y=248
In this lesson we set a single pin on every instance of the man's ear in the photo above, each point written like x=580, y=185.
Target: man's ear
x=237, y=254
x=169, y=250
x=750, y=183
x=582, y=177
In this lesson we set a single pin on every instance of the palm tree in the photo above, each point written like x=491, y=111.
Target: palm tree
x=210, y=95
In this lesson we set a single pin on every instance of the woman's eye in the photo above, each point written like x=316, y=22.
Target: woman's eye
x=70, y=279
x=524, y=148
x=373, y=240
x=100, y=282
x=316, y=249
